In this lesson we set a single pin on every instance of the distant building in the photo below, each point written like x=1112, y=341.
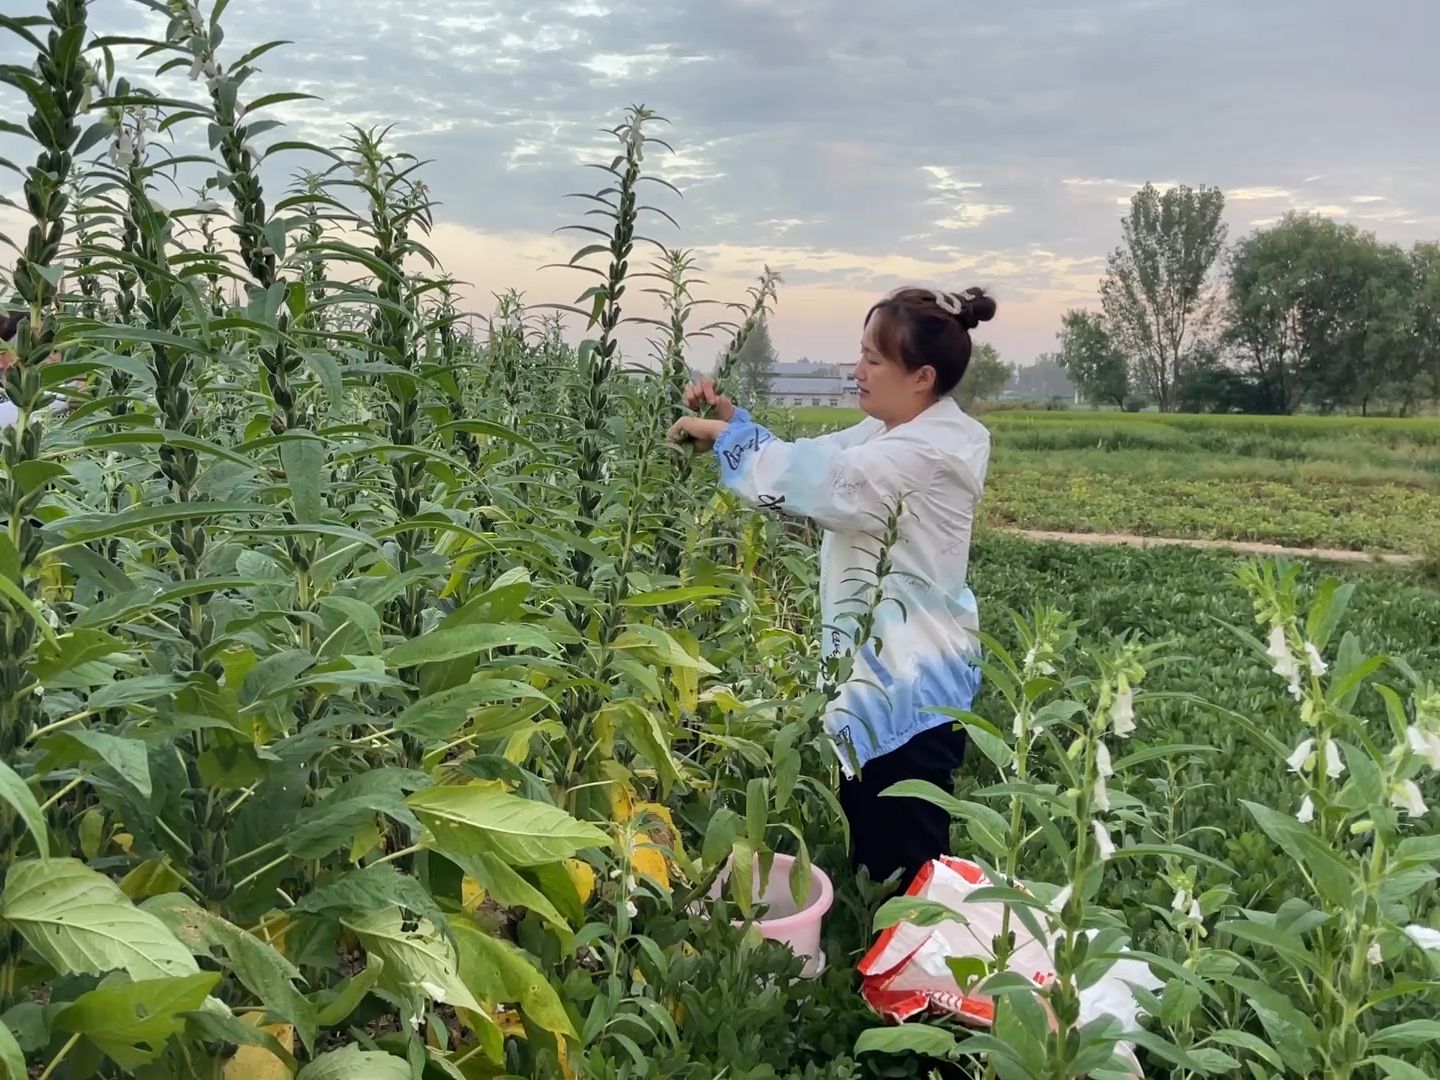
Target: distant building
x=809, y=385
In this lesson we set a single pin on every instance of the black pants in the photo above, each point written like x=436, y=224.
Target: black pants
x=889, y=834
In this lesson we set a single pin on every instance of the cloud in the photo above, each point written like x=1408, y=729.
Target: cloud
x=863, y=145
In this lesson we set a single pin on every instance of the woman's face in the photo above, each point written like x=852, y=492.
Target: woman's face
x=888, y=390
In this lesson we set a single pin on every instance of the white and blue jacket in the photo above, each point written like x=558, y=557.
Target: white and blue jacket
x=924, y=642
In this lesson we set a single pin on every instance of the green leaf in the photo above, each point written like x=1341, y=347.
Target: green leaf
x=377, y=885
x=132, y=1022
x=420, y=962
x=915, y=910
x=1244, y=1040
x=1395, y=1069
x=1405, y=1036
x=504, y=885
x=352, y=1063
x=666, y=650
x=81, y=530
x=303, y=459
x=1331, y=876
x=258, y=966
x=16, y=596
x=117, y=695
x=503, y=975
x=665, y=597
x=351, y=994
x=358, y=614
x=467, y=641
x=82, y=924
x=12, y=1058
x=438, y=715
x=524, y=832
x=328, y=825
x=1287, y=945
x=907, y=1039
x=128, y=757
x=17, y=793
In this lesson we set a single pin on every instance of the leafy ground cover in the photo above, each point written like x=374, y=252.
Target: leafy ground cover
x=378, y=701
x=1356, y=484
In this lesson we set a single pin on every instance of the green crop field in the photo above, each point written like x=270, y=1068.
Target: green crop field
x=1364, y=485
x=380, y=701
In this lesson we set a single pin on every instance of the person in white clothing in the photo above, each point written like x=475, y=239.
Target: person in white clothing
x=919, y=460
x=9, y=411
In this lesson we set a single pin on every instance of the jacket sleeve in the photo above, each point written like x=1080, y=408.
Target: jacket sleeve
x=833, y=483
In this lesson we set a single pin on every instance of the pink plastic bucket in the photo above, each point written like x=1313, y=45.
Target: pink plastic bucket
x=783, y=922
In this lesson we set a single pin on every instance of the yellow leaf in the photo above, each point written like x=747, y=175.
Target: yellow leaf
x=510, y=1023
x=471, y=894
x=273, y=930
x=649, y=862
x=257, y=1063
x=517, y=747
x=687, y=687
x=582, y=876
x=366, y=841
x=153, y=877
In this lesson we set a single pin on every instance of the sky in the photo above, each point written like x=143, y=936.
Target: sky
x=858, y=147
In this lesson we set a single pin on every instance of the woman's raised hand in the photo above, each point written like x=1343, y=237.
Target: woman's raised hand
x=702, y=394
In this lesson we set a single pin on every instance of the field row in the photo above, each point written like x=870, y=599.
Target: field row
x=1361, y=485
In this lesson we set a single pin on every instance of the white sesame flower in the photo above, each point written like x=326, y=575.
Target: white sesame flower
x=1182, y=899
x=1307, y=811
x=1195, y=914
x=1300, y=760
x=122, y=151
x=1102, y=795
x=1406, y=796
x=1019, y=726
x=1102, y=838
x=1334, y=764
x=1317, y=662
x=1372, y=954
x=1102, y=760
x=414, y=1022
x=197, y=66
x=1061, y=899
x=1281, y=656
x=1424, y=744
x=1030, y=656
x=1295, y=691
x=1424, y=936
x=1122, y=713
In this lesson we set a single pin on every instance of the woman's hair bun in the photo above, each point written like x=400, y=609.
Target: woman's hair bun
x=976, y=306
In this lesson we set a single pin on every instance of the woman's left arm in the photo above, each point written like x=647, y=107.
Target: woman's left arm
x=836, y=485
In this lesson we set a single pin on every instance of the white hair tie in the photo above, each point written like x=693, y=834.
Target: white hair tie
x=947, y=303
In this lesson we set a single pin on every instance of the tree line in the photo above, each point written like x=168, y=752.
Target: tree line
x=1308, y=313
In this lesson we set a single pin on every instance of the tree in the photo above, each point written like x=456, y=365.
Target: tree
x=1092, y=360
x=984, y=378
x=1155, y=292
x=1425, y=319
x=1323, y=313
x=754, y=366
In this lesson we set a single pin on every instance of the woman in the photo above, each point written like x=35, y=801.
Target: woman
x=9, y=412
x=918, y=451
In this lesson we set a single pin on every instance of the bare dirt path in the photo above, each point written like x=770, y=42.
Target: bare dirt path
x=1246, y=547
